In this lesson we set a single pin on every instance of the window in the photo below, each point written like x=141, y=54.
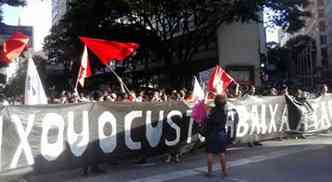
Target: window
x=321, y=13
x=323, y=39
x=322, y=26
x=325, y=63
x=243, y=74
x=321, y=3
x=324, y=52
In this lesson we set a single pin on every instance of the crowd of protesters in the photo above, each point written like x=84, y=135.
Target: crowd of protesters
x=159, y=95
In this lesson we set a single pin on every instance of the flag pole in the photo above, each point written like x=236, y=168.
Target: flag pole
x=77, y=80
x=76, y=84
x=119, y=78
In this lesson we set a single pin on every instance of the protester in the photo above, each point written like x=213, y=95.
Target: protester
x=93, y=168
x=140, y=97
x=324, y=90
x=3, y=101
x=164, y=96
x=253, y=139
x=156, y=97
x=252, y=90
x=284, y=90
x=173, y=156
x=234, y=92
x=216, y=134
x=274, y=92
x=300, y=96
x=238, y=92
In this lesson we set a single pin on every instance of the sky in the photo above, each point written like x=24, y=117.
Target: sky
x=37, y=13
x=272, y=35
x=271, y=32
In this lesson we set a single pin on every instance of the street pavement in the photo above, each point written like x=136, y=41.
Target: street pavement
x=308, y=160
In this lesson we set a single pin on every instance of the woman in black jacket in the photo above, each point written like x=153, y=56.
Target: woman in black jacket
x=216, y=134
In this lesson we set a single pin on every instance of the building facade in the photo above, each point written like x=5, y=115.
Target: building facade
x=316, y=27
x=240, y=47
x=311, y=65
x=304, y=56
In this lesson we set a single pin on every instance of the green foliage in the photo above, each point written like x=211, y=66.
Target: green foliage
x=17, y=84
x=167, y=30
x=288, y=13
x=281, y=57
x=299, y=42
x=11, y=3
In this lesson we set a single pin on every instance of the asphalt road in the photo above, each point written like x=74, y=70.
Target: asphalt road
x=311, y=165
x=307, y=160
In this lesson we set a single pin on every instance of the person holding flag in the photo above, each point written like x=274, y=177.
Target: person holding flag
x=253, y=139
x=219, y=81
x=216, y=121
x=216, y=134
x=109, y=52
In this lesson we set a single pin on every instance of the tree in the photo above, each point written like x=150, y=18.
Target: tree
x=168, y=30
x=283, y=58
x=280, y=56
x=17, y=85
x=11, y=3
x=299, y=42
x=288, y=14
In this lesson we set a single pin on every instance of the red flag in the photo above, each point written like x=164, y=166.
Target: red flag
x=108, y=51
x=13, y=47
x=219, y=81
x=85, y=69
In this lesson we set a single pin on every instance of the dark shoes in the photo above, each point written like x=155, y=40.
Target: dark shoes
x=208, y=175
x=141, y=161
x=94, y=170
x=97, y=170
x=258, y=144
x=176, y=158
x=254, y=144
